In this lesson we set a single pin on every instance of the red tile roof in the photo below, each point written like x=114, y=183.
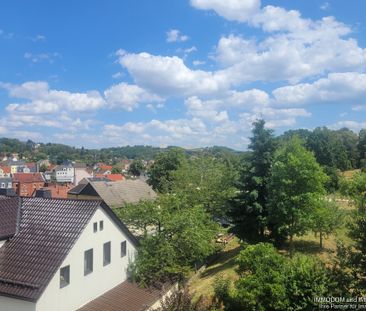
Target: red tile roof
x=105, y=167
x=27, y=177
x=6, y=169
x=111, y=177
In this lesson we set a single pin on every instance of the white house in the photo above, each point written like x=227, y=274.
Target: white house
x=65, y=173
x=60, y=254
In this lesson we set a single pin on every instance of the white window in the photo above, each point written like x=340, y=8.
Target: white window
x=123, y=249
x=106, y=253
x=2, y=185
x=64, y=276
x=88, y=261
x=95, y=227
x=9, y=185
x=101, y=225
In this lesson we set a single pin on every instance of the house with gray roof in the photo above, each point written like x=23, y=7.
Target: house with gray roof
x=115, y=193
x=60, y=254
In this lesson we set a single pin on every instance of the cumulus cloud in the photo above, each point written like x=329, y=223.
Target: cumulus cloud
x=168, y=75
x=128, y=96
x=234, y=10
x=352, y=125
x=174, y=35
x=334, y=88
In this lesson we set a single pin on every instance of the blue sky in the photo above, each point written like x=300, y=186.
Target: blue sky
x=184, y=72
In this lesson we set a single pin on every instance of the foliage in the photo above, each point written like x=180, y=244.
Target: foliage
x=269, y=281
x=356, y=190
x=297, y=181
x=326, y=218
x=249, y=208
x=176, y=236
x=160, y=173
x=182, y=301
x=137, y=167
x=207, y=181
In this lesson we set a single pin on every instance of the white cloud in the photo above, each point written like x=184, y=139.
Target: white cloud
x=128, y=96
x=325, y=6
x=352, y=125
x=174, y=35
x=37, y=58
x=165, y=75
x=198, y=62
x=359, y=108
x=38, y=37
x=234, y=10
x=334, y=88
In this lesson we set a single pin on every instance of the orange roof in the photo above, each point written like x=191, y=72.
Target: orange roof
x=111, y=177
x=105, y=167
x=27, y=177
x=6, y=169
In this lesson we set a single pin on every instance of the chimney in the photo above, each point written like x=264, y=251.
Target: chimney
x=43, y=193
x=9, y=192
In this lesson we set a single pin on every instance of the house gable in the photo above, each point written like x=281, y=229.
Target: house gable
x=103, y=277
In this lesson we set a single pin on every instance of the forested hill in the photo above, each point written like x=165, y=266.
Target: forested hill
x=342, y=149
x=58, y=153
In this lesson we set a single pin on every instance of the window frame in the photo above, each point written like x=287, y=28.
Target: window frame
x=95, y=227
x=123, y=248
x=107, y=250
x=101, y=225
x=64, y=281
x=88, y=268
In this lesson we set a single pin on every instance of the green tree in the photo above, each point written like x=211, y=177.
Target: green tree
x=356, y=190
x=270, y=281
x=137, y=167
x=326, y=219
x=176, y=236
x=160, y=173
x=297, y=181
x=249, y=208
x=207, y=181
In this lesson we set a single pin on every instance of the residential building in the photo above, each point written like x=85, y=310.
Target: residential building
x=114, y=193
x=58, y=191
x=81, y=172
x=65, y=173
x=60, y=255
x=26, y=184
x=6, y=183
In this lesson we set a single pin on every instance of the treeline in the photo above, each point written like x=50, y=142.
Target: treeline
x=58, y=153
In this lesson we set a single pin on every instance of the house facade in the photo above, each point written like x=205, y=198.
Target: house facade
x=26, y=184
x=65, y=174
x=58, y=271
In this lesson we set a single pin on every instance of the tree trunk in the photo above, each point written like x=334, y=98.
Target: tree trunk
x=321, y=239
x=291, y=246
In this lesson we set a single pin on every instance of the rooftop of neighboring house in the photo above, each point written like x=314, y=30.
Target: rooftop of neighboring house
x=79, y=165
x=116, y=193
x=15, y=163
x=38, y=244
x=104, y=167
x=27, y=177
x=58, y=191
x=111, y=177
x=6, y=169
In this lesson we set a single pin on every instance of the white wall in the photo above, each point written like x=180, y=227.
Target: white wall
x=66, y=174
x=83, y=289
x=10, y=304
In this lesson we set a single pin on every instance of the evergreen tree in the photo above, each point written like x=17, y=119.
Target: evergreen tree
x=248, y=210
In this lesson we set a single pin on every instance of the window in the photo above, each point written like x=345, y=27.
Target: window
x=123, y=249
x=64, y=276
x=88, y=261
x=95, y=227
x=106, y=253
x=2, y=185
x=9, y=185
x=101, y=225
